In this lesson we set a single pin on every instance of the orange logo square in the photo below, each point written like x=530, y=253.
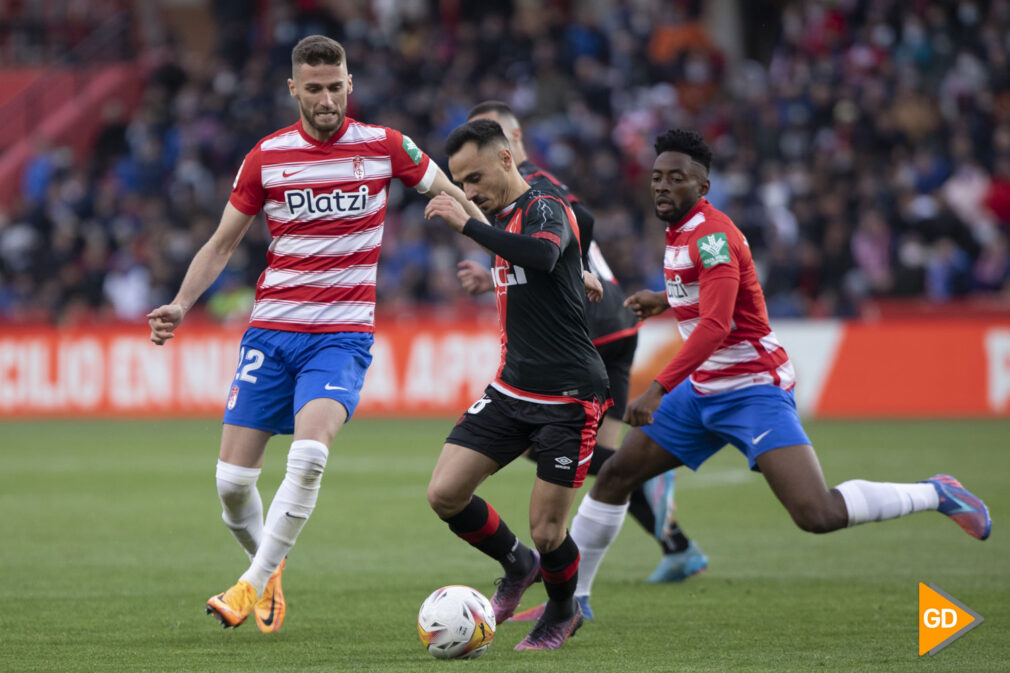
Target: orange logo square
x=942, y=619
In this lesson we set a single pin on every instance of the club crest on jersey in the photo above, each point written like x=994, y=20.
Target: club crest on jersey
x=412, y=150
x=714, y=249
x=509, y=275
x=359, y=168
x=303, y=202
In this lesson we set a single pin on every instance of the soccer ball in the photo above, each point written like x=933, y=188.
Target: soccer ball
x=456, y=622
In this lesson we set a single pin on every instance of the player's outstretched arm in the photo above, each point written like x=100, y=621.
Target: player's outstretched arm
x=206, y=266
x=442, y=183
x=646, y=303
x=526, y=251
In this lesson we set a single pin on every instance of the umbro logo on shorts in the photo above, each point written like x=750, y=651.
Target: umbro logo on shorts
x=563, y=463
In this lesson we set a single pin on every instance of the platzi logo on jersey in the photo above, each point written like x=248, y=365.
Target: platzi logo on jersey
x=337, y=202
x=942, y=619
x=675, y=288
x=413, y=150
x=714, y=249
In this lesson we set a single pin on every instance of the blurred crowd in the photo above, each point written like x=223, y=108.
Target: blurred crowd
x=863, y=146
x=37, y=33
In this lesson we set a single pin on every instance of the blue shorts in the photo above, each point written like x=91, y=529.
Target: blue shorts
x=755, y=419
x=279, y=372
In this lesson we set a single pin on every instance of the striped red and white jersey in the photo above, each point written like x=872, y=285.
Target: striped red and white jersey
x=325, y=205
x=705, y=247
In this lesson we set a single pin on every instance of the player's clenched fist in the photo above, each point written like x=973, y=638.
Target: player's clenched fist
x=449, y=209
x=646, y=303
x=474, y=278
x=594, y=290
x=163, y=321
x=640, y=411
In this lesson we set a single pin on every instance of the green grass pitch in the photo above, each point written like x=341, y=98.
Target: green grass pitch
x=110, y=542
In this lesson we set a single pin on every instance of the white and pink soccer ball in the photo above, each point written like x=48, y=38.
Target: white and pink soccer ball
x=456, y=622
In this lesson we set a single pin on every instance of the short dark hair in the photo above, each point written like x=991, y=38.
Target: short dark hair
x=317, y=50
x=481, y=131
x=496, y=106
x=686, y=142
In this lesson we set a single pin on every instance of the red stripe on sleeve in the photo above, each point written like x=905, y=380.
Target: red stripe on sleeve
x=553, y=238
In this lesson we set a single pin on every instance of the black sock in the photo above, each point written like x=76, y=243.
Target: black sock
x=480, y=525
x=561, y=573
x=640, y=509
x=600, y=455
x=675, y=541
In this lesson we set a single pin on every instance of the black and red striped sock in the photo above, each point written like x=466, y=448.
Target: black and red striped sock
x=560, y=570
x=479, y=524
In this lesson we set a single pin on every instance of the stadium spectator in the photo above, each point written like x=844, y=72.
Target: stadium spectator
x=844, y=125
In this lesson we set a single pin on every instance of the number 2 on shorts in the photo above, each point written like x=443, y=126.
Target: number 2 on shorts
x=255, y=361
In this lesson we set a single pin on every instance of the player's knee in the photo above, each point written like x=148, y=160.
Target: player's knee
x=235, y=485
x=437, y=500
x=613, y=483
x=232, y=496
x=816, y=517
x=307, y=461
x=547, y=535
x=445, y=502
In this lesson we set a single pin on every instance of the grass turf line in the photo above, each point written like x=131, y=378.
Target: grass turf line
x=112, y=542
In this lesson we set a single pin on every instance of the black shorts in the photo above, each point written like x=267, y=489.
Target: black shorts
x=617, y=358
x=560, y=437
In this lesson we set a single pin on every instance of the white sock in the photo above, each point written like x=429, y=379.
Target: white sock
x=290, y=509
x=241, y=506
x=594, y=528
x=878, y=500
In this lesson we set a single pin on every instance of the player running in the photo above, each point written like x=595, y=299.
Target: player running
x=550, y=391
x=614, y=330
x=321, y=184
x=731, y=382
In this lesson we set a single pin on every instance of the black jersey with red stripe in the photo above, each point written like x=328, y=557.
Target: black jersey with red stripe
x=607, y=319
x=546, y=349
